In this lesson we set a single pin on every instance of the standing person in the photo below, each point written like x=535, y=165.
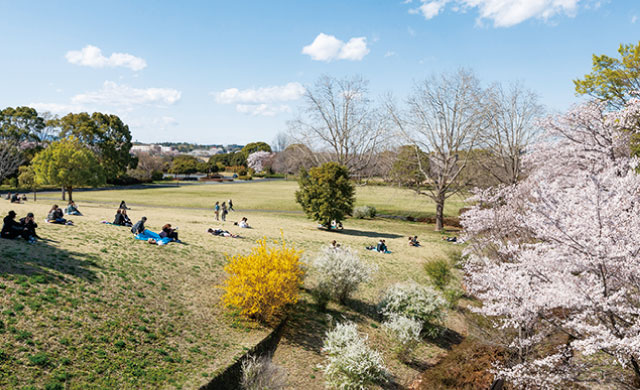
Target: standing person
x=231, y=205
x=224, y=211
x=216, y=209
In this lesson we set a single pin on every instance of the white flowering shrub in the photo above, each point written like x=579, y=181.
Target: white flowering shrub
x=364, y=212
x=417, y=302
x=260, y=373
x=259, y=161
x=351, y=365
x=403, y=329
x=341, y=272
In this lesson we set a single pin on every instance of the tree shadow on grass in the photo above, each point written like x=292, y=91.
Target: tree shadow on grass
x=17, y=257
x=448, y=338
x=366, y=309
x=366, y=233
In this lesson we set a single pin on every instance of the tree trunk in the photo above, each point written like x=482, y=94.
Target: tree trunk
x=439, y=212
x=70, y=191
x=636, y=370
x=34, y=195
x=63, y=193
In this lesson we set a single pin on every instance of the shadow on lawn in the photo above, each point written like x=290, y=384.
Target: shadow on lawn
x=366, y=233
x=21, y=258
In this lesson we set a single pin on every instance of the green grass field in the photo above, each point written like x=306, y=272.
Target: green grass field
x=92, y=308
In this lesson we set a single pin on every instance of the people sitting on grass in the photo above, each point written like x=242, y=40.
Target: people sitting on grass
x=335, y=244
x=123, y=206
x=13, y=229
x=222, y=233
x=15, y=198
x=243, y=223
x=72, y=209
x=169, y=232
x=30, y=226
x=119, y=218
x=24, y=197
x=56, y=216
x=450, y=239
x=144, y=234
x=413, y=241
x=380, y=247
x=125, y=217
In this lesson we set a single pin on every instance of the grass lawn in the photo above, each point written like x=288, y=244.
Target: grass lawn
x=92, y=308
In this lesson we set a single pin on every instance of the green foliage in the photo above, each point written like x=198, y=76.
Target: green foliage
x=612, y=79
x=27, y=177
x=67, y=163
x=20, y=124
x=106, y=135
x=326, y=194
x=185, y=165
x=364, y=212
x=255, y=147
x=439, y=272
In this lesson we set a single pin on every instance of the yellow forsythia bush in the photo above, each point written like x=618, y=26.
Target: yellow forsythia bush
x=263, y=282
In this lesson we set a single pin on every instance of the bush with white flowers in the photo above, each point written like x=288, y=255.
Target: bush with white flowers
x=341, y=271
x=362, y=212
x=404, y=330
x=352, y=364
x=260, y=373
x=414, y=301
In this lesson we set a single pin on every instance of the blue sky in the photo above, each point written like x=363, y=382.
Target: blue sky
x=232, y=72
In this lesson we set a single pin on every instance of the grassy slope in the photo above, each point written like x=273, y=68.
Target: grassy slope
x=96, y=309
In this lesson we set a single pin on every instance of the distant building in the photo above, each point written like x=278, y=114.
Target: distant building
x=153, y=149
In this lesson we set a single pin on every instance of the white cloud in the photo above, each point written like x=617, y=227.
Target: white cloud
x=503, y=13
x=634, y=18
x=126, y=96
x=279, y=93
x=56, y=108
x=262, y=109
x=92, y=56
x=389, y=54
x=327, y=48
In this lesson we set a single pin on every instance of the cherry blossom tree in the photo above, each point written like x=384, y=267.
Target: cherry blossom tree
x=259, y=161
x=555, y=258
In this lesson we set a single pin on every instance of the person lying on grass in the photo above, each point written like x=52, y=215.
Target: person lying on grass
x=222, y=233
x=144, y=234
x=56, y=216
x=450, y=239
x=26, y=228
x=243, y=223
x=72, y=209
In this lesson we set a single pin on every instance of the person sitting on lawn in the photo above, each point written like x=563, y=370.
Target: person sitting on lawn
x=72, y=209
x=168, y=232
x=15, y=198
x=243, y=223
x=11, y=228
x=119, y=219
x=127, y=220
x=450, y=239
x=30, y=225
x=123, y=206
x=223, y=233
x=413, y=241
x=55, y=216
x=382, y=247
x=335, y=244
x=24, y=197
x=139, y=228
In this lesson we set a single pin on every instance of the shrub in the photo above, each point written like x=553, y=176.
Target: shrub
x=341, y=272
x=404, y=331
x=439, y=272
x=364, y=212
x=244, y=177
x=262, y=283
x=157, y=175
x=352, y=364
x=262, y=374
x=411, y=300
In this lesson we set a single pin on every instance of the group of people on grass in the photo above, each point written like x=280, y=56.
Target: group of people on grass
x=16, y=197
x=25, y=227
x=166, y=235
x=221, y=210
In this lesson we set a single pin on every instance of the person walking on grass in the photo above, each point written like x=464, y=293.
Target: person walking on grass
x=231, y=205
x=216, y=210
x=224, y=211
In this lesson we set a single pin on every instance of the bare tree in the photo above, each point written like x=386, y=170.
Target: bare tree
x=512, y=129
x=340, y=123
x=10, y=158
x=444, y=118
x=280, y=142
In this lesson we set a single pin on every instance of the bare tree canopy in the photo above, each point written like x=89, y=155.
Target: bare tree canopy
x=443, y=119
x=340, y=123
x=512, y=129
x=10, y=158
x=280, y=142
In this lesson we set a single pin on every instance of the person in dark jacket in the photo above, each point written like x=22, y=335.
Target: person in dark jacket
x=139, y=226
x=119, y=219
x=123, y=206
x=30, y=225
x=15, y=198
x=127, y=220
x=11, y=228
x=168, y=232
x=56, y=216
